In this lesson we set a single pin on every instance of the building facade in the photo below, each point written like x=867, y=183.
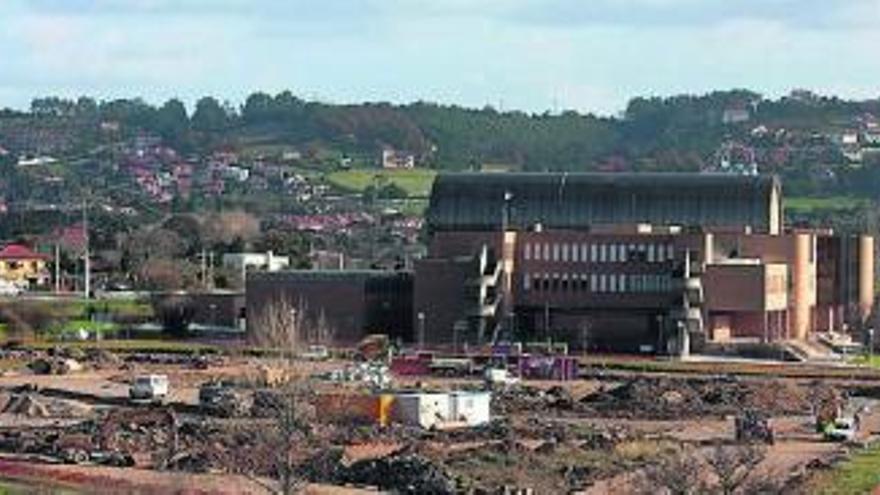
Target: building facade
x=351, y=303
x=631, y=262
x=21, y=266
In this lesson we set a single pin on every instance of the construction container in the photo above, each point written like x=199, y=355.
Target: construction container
x=471, y=408
x=357, y=408
x=423, y=409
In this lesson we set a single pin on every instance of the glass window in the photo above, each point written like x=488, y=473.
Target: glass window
x=527, y=251
x=622, y=253
x=603, y=253
x=527, y=279
x=584, y=250
x=555, y=252
x=554, y=284
x=594, y=257
x=661, y=253
x=575, y=253
x=564, y=282
x=612, y=283
x=546, y=252
x=603, y=282
x=594, y=282
x=650, y=253
x=621, y=283
x=612, y=253
x=565, y=252
x=670, y=252
x=585, y=283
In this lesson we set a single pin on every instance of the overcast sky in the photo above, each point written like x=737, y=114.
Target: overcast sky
x=534, y=55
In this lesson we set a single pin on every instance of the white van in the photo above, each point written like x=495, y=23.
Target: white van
x=149, y=388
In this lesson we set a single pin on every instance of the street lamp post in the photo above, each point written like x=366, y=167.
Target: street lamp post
x=421, y=317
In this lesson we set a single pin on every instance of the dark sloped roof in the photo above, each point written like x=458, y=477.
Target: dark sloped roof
x=474, y=201
x=326, y=275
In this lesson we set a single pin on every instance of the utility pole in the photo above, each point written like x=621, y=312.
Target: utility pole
x=87, y=265
x=57, y=267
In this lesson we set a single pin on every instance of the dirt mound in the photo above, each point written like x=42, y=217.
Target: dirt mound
x=26, y=405
x=673, y=398
x=407, y=473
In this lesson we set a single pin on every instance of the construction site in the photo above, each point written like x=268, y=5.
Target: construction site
x=369, y=418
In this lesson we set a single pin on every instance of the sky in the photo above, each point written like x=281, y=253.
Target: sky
x=531, y=55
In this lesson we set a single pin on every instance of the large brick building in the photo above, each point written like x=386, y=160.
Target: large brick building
x=629, y=261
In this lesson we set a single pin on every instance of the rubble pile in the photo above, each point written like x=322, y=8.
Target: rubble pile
x=406, y=473
x=30, y=404
x=26, y=405
x=56, y=365
x=673, y=398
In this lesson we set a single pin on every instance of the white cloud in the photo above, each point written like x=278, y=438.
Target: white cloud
x=588, y=55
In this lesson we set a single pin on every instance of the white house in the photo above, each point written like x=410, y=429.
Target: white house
x=397, y=159
x=255, y=261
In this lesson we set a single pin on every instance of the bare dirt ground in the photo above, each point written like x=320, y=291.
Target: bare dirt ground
x=594, y=434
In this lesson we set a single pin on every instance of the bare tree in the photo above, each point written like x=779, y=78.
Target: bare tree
x=278, y=325
x=674, y=473
x=286, y=327
x=319, y=331
x=278, y=445
x=734, y=465
x=724, y=469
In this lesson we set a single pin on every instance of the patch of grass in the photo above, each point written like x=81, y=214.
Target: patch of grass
x=416, y=182
x=864, y=360
x=92, y=327
x=805, y=204
x=860, y=474
x=139, y=345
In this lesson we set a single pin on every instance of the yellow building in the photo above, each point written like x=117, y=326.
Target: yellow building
x=22, y=266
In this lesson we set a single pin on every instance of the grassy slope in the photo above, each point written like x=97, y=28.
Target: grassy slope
x=416, y=182
x=860, y=474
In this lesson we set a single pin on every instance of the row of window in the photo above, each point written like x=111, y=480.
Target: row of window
x=598, y=253
x=597, y=282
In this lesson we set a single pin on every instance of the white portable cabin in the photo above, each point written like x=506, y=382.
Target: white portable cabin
x=422, y=409
x=472, y=408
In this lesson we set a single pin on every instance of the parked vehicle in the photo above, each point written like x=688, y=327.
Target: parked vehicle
x=220, y=397
x=754, y=426
x=841, y=430
x=149, y=388
x=499, y=376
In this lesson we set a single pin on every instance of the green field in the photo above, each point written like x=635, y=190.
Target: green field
x=416, y=182
x=860, y=474
x=805, y=204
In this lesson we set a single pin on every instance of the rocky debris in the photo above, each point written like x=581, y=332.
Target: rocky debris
x=406, y=473
x=26, y=405
x=674, y=398
x=54, y=366
x=372, y=373
x=101, y=358
x=31, y=404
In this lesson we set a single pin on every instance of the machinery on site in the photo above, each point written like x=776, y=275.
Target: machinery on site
x=754, y=426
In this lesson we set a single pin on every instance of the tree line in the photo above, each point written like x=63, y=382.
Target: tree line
x=665, y=133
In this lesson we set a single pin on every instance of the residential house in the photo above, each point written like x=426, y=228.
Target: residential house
x=392, y=158
x=22, y=266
